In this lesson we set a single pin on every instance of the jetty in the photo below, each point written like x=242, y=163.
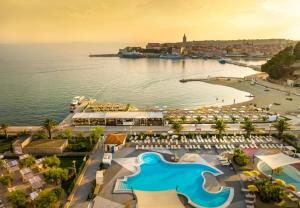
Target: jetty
x=255, y=67
x=209, y=78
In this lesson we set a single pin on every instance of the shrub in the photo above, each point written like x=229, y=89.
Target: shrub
x=17, y=198
x=240, y=158
x=268, y=191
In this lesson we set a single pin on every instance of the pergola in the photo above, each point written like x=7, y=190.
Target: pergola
x=278, y=160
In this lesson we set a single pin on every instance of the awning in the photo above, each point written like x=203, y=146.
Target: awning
x=158, y=199
x=118, y=115
x=277, y=160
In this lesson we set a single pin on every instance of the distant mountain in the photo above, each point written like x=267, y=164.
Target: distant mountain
x=283, y=64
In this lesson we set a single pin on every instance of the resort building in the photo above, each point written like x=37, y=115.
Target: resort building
x=114, y=142
x=20, y=144
x=118, y=119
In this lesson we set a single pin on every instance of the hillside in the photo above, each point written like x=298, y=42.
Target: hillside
x=283, y=64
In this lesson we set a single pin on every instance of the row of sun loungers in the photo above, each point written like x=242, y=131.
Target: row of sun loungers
x=209, y=147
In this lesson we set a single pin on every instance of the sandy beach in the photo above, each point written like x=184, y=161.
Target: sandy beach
x=265, y=93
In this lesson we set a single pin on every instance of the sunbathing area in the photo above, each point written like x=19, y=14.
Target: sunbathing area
x=227, y=113
x=236, y=158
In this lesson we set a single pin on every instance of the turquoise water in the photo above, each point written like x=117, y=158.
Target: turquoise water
x=39, y=81
x=157, y=175
x=289, y=174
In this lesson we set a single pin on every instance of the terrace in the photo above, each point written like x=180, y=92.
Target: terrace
x=207, y=149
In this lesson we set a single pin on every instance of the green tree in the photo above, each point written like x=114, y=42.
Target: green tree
x=297, y=51
x=40, y=135
x=80, y=135
x=28, y=161
x=56, y=175
x=264, y=118
x=219, y=126
x=183, y=119
x=68, y=133
x=248, y=126
x=6, y=181
x=199, y=119
x=95, y=134
x=279, y=65
x=177, y=127
x=52, y=161
x=233, y=119
x=4, y=128
x=18, y=199
x=281, y=125
x=49, y=125
x=49, y=198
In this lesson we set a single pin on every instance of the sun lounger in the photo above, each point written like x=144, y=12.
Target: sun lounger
x=224, y=163
x=250, y=196
x=249, y=206
x=250, y=201
x=245, y=190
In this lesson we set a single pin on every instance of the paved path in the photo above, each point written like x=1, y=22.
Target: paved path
x=84, y=187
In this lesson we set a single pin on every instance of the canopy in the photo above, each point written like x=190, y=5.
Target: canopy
x=277, y=160
x=158, y=199
x=119, y=115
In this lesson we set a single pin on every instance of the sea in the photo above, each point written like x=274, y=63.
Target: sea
x=38, y=81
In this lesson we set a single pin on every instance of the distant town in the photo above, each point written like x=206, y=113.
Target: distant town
x=254, y=49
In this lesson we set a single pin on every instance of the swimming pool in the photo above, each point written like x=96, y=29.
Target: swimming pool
x=289, y=174
x=156, y=174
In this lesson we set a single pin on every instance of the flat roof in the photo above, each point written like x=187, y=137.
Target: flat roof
x=120, y=115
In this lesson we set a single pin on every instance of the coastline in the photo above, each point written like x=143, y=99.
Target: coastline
x=265, y=94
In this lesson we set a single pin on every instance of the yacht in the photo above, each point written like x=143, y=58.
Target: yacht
x=76, y=101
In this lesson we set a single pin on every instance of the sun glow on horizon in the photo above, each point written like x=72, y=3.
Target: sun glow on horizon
x=141, y=21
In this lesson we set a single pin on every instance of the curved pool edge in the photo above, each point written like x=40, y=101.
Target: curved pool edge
x=218, y=172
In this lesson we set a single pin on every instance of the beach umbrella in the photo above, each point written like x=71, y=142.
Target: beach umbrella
x=291, y=187
x=247, y=173
x=280, y=182
x=252, y=188
x=255, y=172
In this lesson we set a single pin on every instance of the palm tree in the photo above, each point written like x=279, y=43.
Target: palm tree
x=4, y=128
x=248, y=126
x=219, y=126
x=183, y=118
x=264, y=118
x=49, y=124
x=199, y=119
x=281, y=125
x=233, y=119
x=177, y=127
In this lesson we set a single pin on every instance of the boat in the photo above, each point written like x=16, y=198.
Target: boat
x=76, y=101
x=222, y=61
x=132, y=54
x=171, y=56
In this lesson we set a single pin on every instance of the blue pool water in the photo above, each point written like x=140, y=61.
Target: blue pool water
x=289, y=174
x=158, y=175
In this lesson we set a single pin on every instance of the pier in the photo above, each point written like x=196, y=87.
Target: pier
x=255, y=67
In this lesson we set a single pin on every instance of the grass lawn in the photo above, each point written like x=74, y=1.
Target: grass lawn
x=5, y=144
x=67, y=162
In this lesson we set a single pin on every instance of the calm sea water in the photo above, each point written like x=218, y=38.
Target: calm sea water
x=38, y=81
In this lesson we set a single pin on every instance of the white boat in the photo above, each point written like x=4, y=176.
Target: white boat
x=77, y=100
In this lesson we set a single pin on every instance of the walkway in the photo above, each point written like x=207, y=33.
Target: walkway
x=85, y=185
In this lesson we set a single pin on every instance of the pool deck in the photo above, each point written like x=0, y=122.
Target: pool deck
x=229, y=179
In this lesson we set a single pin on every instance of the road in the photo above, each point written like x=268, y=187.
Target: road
x=83, y=188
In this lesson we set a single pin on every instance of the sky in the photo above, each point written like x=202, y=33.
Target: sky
x=142, y=21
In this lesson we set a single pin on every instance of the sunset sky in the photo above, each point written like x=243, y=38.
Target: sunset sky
x=141, y=21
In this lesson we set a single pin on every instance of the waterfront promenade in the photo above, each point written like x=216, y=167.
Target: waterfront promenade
x=200, y=128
